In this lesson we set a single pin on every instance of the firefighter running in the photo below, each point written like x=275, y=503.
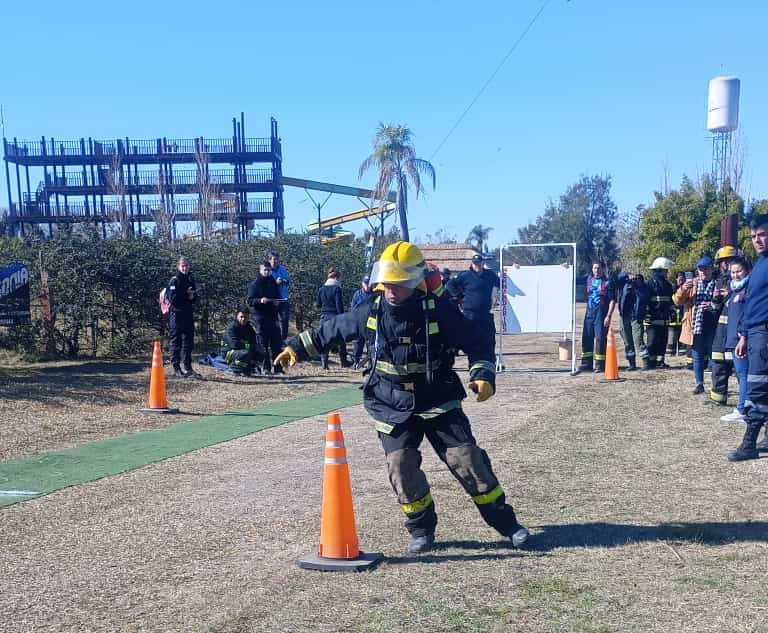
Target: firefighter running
x=413, y=392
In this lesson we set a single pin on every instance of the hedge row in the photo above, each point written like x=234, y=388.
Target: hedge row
x=103, y=291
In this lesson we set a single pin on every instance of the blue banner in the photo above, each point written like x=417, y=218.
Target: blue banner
x=14, y=295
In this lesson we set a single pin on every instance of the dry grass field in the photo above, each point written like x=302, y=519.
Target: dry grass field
x=638, y=522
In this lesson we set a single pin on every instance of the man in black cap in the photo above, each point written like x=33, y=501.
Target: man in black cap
x=474, y=288
x=360, y=295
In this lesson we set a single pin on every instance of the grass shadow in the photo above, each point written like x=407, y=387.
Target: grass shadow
x=551, y=537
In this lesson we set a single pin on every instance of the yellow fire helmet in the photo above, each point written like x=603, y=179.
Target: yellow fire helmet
x=725, y=252
x=401, y=264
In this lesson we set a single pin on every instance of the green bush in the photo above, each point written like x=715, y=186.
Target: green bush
x=103, y=291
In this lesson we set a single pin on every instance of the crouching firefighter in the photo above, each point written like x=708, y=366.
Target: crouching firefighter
x=240, y=347
x=413, y=392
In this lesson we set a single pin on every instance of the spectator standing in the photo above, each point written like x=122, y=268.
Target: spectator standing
x=263, y=298
x=331, y=304
x=474, y=288
x=363, y=293
x=699, y=321
x=240, y=346
x=283, y=280
x=446, y=275
x=752, y=345
x=676, y=321
x=601, y=302
x=632, y=305
x=734, y=308
x=657, y=314
x=181, y=291
x=722, y=360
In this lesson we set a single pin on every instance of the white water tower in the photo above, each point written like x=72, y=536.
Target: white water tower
x=722, y=121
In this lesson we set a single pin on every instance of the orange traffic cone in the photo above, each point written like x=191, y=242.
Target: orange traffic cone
x=158, y=402
x=338, y=550
x=611, y=358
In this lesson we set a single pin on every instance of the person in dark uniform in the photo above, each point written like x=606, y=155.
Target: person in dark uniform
x=752, y=345
x=240, y=346
x=263, y=298
x=182, y=294
x=657, y=314
x=601, y=301
x=722, y=359
x=330, y=302
x=632, y=306
x=412, y=391
x=473, y=288
x=359, y=296
x=676, y=321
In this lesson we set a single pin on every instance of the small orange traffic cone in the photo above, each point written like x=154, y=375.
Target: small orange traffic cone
x=611, y=358
x=158, y=402
x=338, y=549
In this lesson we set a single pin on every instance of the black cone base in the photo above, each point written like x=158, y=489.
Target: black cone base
x=365, y=561
x=148, y=410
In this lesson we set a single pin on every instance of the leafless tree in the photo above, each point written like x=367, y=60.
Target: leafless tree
x=628, y=237
x=736, y=159
x=115, y=184
x=165, y=213
x=209, y=202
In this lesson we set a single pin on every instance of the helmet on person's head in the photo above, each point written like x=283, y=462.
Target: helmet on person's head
x=661, y=263
x=401, y=264
x=725, y=252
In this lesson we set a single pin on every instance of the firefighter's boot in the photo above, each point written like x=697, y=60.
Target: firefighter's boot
x=422, y=543
x=748, y=448
x=518, y=535
x=599, y=366
x=762, y=447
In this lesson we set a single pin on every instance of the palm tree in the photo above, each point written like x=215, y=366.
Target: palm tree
x=478, y=236
x=395, y=157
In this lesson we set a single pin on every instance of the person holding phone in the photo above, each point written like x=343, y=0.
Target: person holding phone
x=698, y=328
x=722, y=359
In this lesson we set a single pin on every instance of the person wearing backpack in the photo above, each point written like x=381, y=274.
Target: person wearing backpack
x=182, y=294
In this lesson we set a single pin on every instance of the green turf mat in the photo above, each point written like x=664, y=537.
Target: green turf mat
x=36, y=475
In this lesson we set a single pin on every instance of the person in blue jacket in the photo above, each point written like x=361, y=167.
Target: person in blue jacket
x=283, y=281
x=753, y=344
x=601, y=301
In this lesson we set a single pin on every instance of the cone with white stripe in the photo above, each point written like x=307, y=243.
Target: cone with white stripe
x=339, y=550
x=158, y=401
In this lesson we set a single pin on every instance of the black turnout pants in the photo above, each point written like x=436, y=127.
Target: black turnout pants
x=268, y=334
x=181, y=332
x=451, y=437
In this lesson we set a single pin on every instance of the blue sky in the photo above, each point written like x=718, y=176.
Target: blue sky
x=595, y=87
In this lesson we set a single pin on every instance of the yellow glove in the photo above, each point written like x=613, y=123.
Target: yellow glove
x=286, y=358
x=482, y=388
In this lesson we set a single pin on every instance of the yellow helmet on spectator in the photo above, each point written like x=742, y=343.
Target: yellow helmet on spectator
x=725, y=252
x=401, y=264
x=661, y=263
